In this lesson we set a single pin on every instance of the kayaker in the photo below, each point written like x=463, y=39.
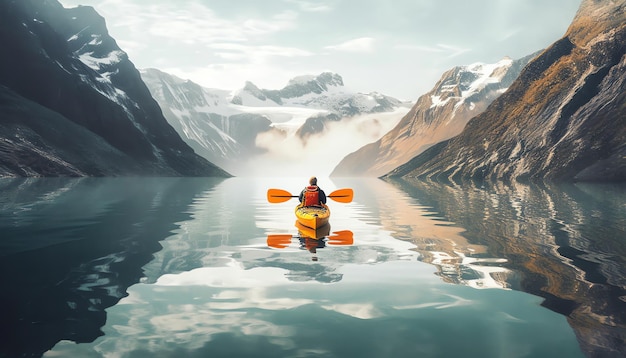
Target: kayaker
x=312, y=195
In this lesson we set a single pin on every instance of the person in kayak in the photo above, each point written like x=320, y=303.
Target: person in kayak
x=312, y=195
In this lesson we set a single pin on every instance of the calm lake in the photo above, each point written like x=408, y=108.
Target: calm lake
x=207, y=267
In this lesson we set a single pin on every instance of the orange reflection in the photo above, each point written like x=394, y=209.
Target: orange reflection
x=279, y=241
x=312, y=239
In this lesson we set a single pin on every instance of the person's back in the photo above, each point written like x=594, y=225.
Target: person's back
x=312, y=195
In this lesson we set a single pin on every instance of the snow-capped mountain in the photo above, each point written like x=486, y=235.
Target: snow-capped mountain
x=223, y=126
x=561, y=120
x=324, y=92
x=206, y=119
x=73, y=103
x=442, y=113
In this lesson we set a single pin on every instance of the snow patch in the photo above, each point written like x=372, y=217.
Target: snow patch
x=301, y=80
x=96, y=40
x=516, y=150
x=437, y=102
x=96, y=63
x=485, y=74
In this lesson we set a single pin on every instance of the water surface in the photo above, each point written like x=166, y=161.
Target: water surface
x=164, y=267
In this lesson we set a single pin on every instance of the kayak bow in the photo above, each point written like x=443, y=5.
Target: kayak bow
x=312, y=216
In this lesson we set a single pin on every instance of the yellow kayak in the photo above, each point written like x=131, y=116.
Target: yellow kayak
x=312, y=216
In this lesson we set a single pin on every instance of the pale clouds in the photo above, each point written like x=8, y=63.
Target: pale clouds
x=399, y=48
x=196, y=23
x=194, y=42
x=363, y=44
x=253, y=53
x=311, y=6
x=448, y=51
x=231, y=76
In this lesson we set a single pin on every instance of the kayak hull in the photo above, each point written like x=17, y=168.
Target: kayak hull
x=318, y=233
x=312, y=216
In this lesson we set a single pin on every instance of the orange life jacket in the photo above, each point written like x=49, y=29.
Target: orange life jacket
x=311, y=196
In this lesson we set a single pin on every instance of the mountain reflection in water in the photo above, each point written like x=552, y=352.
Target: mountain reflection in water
x=565, y=243
x=70, y=248
x=148, y=267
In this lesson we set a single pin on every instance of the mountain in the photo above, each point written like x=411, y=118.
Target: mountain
x=206, y=119
x=223, y=126
x=72, y=103
x=325, y=91
x=561, y=120
x=460, y=94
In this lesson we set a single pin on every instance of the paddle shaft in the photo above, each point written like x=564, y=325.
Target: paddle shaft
x=296, y=196
x=280, y=195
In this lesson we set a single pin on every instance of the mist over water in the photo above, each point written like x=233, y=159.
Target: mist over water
x=289, y=155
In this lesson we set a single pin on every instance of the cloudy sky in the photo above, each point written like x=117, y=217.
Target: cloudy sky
x=395, y=47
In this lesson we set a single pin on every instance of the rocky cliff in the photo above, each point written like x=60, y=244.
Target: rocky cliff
x=72, y=103
x=462, y=93
x=561, y=120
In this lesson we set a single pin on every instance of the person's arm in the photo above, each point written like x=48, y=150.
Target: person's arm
x=301, y=195
x=322, y=197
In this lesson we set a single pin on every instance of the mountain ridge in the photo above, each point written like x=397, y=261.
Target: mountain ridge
x=325, y=91
x=223, y=125
x=461, y=93
x=62, y=65
x=561, y=120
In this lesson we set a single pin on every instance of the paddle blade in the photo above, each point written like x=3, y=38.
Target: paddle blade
x=278, y=195
x=279, y=241
x=342, y=195
x=344, y=237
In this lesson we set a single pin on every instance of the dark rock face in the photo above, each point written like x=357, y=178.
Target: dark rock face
x=72, y=104
x=36, y=141
x=462, y=93
x=561, y=120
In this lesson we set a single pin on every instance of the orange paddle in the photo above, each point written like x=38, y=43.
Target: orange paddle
x=280, y=195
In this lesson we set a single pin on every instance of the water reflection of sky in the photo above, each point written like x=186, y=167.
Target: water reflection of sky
x=217, y=289
x=201, y=310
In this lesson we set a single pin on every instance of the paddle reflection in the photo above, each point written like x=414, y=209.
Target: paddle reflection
x=311, y=239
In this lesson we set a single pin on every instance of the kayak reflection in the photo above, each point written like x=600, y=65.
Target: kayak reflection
x=311, y=239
